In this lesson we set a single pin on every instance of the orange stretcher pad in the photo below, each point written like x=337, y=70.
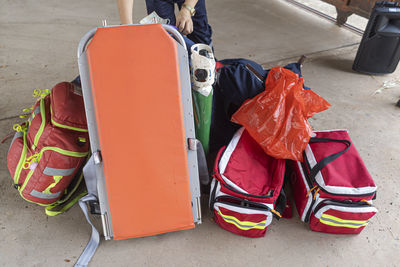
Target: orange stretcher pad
x=136, y=88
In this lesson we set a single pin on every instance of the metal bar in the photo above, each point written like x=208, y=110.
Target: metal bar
x=176, y=34
x=325, y=16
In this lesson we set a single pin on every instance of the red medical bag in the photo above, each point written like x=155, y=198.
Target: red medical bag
x=332, y=188
x=246, y=191
x=50, y=148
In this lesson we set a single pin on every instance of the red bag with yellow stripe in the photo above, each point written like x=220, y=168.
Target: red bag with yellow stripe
x=49, y=149
x=332, y=188
x=247, y=189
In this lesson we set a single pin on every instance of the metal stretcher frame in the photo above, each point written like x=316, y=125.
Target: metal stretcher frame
x=102, y=185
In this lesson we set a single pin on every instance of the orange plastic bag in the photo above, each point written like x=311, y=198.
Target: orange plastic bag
x=277, y=117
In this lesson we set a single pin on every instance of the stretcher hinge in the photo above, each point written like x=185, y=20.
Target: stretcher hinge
x=193, y=144
x=97, y=157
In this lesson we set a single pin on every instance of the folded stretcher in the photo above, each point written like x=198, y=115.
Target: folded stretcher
x=143, y=175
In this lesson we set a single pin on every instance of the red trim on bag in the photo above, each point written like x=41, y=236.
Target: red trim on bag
x=219, y=65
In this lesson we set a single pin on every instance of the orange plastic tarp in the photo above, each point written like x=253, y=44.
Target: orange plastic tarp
x=277, y=117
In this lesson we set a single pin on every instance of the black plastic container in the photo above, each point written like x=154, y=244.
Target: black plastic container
x=379, y=51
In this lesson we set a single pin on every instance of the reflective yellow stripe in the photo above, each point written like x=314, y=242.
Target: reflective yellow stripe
x=58, y=150
x=65, y=126
x=50, y=212
x=40, y=131
x=63, y=152
x=43, y=195
x=57, y=179
x=243, y=225
x=335, y=221
x=21, y=160
x=23, y=187
x=58, y=172
x=26, y=181
x=72, y=191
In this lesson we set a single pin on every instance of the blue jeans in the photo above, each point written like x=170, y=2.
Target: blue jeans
x=201, y=29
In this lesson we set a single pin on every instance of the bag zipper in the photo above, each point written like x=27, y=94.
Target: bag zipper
x=311, y=184
x=344, y=195
x=254, y=73
x=259, y=208
x=341, y=203
x=65, y=126
x=42, y=125
x=217, y=176
x=240, y=193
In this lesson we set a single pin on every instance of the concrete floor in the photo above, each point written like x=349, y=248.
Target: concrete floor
x=38, y=41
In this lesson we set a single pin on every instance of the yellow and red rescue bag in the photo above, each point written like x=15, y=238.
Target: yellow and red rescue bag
x=49, y=149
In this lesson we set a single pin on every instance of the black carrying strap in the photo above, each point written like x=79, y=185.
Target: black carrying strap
x=280, y=203
x=325, y=161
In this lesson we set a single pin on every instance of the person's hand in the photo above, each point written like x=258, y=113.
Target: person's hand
x=184, y=21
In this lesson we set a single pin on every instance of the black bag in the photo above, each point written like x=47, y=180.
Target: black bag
x=237, y=80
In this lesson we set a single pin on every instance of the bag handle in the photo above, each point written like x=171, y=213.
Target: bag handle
x=280, y=204
x=325, y=161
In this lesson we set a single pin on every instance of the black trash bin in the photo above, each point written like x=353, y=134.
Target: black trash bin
x=379, y=51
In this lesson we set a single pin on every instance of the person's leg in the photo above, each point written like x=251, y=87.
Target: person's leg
x=164, y=8
x=201, y=29
x=149, y=6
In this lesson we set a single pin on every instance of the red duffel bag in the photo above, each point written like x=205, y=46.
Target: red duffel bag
x=332, y=188
x=246, y=191
x=49, y=149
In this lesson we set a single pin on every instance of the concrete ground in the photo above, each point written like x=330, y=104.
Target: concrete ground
x=38, y=41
